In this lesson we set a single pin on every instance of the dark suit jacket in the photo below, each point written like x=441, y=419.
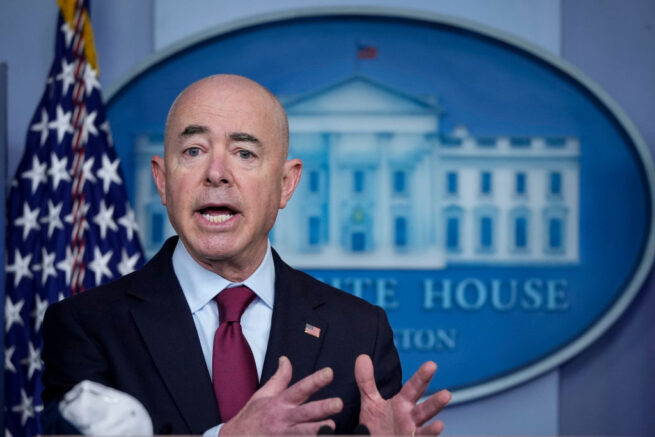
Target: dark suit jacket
x=137, y=335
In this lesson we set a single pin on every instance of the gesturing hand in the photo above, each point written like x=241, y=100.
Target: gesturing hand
x=277, y=409
x=400, y=415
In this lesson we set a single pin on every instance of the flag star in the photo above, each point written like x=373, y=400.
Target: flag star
x=109, y=173
x=42, y=126
x=36, y=174
x=104, y=219
x=26, y=408
x=39, y=311
x=127, y=264
x=47, y=266
x=105, y=128
x=90, y=79
x=9, y=352
x=29, y=220
x=62, y=123
x=67, y=75
x=33, y=360
x=20, y=268
x=61, y=296
x=53, y=219
x=68, y=33
x=12, y=313
x=87, y=172
x=128, y=221
x=66, y=265
x=99, y=265
x=58, y=169
x=89, y=126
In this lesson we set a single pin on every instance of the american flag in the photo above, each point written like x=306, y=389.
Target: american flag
x=312, y=330
x=69, y=224
x=366, y=52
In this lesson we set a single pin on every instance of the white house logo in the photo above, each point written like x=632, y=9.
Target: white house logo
x=494, y=202
x=385, y=188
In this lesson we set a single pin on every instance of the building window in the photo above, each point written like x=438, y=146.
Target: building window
x=451, y=183
x=486, y=233
x=358, y=181
x=314, y=230
x=520, y=184
x=358, y=242
x=399, y=182
x=555, y=230
x=555, y=183
x=485, y=183
x=520, y=232
x=452, y=233
x=400, y=231
x=453, y=216
x=314, y=182
x=555, y=234
x=485, y=228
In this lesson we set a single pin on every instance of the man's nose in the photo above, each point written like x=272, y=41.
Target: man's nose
x=218, y=169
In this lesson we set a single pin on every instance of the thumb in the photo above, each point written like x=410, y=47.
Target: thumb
x=280, y=379
x=365, y=377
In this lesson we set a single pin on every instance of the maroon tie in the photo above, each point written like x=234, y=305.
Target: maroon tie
x=233, y=365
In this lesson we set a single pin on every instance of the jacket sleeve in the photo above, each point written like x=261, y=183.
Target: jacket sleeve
x=69, y=353
x=388, y=372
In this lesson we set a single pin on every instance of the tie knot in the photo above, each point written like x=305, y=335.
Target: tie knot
x=232, y=302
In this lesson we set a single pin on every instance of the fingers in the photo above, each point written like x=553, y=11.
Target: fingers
x=311, y=428
x=279, y=381
x=316, y=410
x=365, y=377
x=429, y=408
x=418, y=383
x=434, y=428
x=303, y=389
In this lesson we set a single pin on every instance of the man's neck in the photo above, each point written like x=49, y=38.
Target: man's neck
x=232, y=269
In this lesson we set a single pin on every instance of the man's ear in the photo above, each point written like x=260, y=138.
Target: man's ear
x=290, y=177
x=159, y=174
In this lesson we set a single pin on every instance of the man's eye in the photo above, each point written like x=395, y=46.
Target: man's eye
x=245, y=154
x=193, y=151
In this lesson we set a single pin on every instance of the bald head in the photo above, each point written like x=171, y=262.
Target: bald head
x=225, y=174
x=236, y=93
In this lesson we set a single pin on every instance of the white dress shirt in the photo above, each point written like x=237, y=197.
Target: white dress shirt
x=200, y=286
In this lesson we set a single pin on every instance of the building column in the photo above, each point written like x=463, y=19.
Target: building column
x=382, y=222
x=334, y=198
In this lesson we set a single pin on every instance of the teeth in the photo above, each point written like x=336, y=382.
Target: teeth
x=218, y=218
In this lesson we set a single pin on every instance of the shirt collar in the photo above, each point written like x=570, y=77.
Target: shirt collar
x=200, y=285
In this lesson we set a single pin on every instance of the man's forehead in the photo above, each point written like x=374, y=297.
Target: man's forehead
x=231, y=104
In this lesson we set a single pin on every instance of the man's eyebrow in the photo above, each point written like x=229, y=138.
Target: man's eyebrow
x=194, y=129
x=243, y=137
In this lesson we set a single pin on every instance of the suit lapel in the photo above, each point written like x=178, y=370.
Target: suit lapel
x=166, y=325
x=294, y=309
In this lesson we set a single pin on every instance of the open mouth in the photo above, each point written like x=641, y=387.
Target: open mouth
x=217, y=214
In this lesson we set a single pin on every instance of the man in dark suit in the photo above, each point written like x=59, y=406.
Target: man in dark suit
x=323, y=357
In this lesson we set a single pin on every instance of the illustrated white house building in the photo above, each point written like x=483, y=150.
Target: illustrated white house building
x=384, y=187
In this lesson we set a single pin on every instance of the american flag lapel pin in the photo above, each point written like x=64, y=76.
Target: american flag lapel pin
x=312, y=330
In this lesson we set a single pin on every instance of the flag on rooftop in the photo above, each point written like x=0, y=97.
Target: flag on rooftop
x=69, y=226
x=366, y=52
